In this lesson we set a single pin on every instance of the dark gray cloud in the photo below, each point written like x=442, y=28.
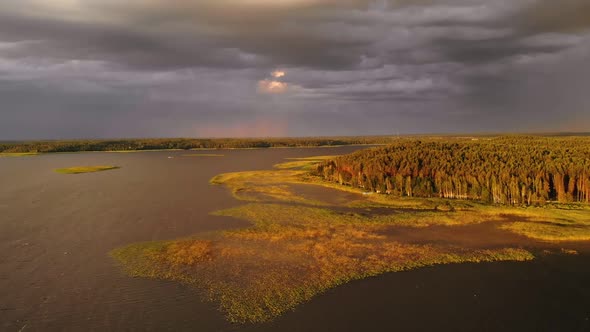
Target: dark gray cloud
x=99, y=68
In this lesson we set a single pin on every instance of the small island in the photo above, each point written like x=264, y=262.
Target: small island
x=85, y=169
x=18, y=154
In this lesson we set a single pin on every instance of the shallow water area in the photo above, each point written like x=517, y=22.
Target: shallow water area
x=56, y=231
x=55, y=272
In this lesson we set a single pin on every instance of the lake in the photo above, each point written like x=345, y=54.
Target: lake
x=56, y=232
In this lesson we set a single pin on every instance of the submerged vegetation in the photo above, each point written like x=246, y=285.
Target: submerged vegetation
x=551, y=222
x=85, y=169
x=573, y=229
x=289, y=255
x=17, y=154
x=297, y=247
x=299, y=244
x=264, y=186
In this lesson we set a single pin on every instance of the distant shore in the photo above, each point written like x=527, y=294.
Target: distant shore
x=28, y=154
x=151, y=145
x=180, y=144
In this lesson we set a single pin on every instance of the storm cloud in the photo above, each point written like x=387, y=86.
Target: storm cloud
x=106, y=68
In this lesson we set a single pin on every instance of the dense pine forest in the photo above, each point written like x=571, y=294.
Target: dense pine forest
x=507, y=170
x=184, y=144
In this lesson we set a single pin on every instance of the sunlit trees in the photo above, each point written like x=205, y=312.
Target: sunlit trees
x=506, y=170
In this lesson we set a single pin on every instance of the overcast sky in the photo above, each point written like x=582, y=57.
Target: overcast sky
x=194, y=68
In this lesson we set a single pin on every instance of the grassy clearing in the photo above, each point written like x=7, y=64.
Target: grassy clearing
x=85, y=169
x=203, y=155
x=262, y=214
x=551, y=231
x=260, y=186
x=19, y=154
x=256, y=177
x=552, y=222
x=307, y=163
x=299, y=164
x=314, y=158
x=288, y=256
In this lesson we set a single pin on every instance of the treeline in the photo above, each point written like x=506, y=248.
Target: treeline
x=506, y=170
x=184, y=144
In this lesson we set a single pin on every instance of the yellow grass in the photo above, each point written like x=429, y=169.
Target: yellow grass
x=553, y=232
x=301, y=164
x=314, y=158
x=18, y=154
x=553, y=222
x=260, y=186
x=85, y=169
x=288, y=256
x=297, y=248
x=307, y=163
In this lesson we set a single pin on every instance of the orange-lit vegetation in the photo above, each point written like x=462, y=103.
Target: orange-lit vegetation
x=259, y=186
x=551, y=222
x=17, y=154
x=298, y=247
x=85, y=169
x=303, y=163
x=507, y=170
x=289, y=255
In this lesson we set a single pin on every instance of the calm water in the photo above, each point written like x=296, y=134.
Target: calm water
x=55, y=273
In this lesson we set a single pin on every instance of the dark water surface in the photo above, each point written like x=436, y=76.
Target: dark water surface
x=55, y=273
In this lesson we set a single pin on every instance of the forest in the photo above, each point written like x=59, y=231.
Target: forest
x=183, y=144
x=516, y=170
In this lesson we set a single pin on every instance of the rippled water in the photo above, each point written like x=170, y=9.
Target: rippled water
x=55, y=273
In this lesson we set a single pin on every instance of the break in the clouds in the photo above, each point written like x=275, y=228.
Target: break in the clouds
x=106, y=68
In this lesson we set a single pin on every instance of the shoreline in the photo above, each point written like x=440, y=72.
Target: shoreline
x=320, y=238
x=19, y=154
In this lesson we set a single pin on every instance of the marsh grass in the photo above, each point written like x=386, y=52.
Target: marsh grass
x=553, y=222
x=315, y=158
x=307, y=163
x=260, y=186
x=549, y=223
x=299, y=164
x=297, y=248
x=288, y=256
x=550, y=231
x=85, y=169
x=18, y=154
